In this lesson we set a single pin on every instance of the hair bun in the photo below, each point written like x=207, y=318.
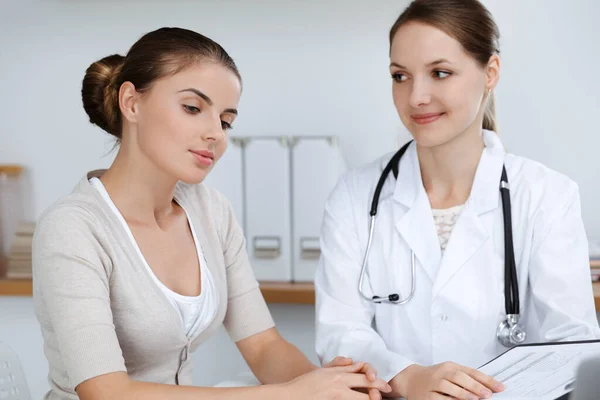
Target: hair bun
x=100, y=94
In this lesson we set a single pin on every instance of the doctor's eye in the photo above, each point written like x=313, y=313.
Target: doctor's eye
x=441, y=74
x=191, y=109
x=398, y=77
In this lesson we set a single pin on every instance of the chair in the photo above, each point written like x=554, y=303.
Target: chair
x=13, y=385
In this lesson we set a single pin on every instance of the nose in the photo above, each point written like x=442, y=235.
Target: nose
x=213, y=131
x=420, y=94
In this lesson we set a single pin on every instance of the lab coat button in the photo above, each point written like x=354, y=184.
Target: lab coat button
x=444, y=317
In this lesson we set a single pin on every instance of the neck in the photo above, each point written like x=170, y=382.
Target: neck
x=140, y=190
x=448, y=170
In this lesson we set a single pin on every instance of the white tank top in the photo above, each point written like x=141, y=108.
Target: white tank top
x=445, y=219
x=196, y=312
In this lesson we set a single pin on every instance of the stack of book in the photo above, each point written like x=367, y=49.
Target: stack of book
x=2, y=265
x=595, y=259
x=19, y=255
x=595, y=269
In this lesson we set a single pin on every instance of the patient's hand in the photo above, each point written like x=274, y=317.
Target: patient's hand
x=367, y=369
x=334, y=383
x=338, y=362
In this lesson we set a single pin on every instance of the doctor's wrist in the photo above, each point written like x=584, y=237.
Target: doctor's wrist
x=401, y=381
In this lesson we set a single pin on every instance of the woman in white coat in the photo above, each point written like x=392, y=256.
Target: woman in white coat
x=445, y=208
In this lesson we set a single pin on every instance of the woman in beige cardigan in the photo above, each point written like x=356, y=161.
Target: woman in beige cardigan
x=141, y=263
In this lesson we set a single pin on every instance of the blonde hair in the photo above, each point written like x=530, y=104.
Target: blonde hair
x=489, y=115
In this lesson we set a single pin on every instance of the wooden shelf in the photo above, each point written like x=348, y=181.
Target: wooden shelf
x=274, y=292
x=290, y=293
x=15, y=287
x=11, y=170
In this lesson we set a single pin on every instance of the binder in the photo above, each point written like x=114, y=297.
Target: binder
x=267, y=198
x=317, y=165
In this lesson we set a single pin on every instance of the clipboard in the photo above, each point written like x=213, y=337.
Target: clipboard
x=516, y=365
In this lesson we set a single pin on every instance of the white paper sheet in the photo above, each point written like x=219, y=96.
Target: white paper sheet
x=539, y=372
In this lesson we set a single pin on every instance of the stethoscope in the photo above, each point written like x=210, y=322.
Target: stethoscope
x=509, y=332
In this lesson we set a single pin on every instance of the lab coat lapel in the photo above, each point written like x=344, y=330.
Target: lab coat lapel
x=471, y=230
x=468, y=235
x=413, y=216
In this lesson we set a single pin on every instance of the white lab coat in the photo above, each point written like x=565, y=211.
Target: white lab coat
x=459, y=298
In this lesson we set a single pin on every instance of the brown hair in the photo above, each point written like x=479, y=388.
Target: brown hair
x=467, y=21
x=163, y=52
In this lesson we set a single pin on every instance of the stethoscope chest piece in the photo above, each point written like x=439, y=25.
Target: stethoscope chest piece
x=510, y=333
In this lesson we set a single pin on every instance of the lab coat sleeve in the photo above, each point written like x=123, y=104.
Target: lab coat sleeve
x=343, y=317
x=559, y=277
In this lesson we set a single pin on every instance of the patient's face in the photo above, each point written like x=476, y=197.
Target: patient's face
x=184, y=118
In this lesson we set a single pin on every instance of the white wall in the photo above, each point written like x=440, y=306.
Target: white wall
x=310, y=67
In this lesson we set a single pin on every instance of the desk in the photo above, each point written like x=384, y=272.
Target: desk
x=290, y=293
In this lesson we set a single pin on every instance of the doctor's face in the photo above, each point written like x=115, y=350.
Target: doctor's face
x=438, y=89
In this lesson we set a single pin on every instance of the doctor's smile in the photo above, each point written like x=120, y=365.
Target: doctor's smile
x=427, y=118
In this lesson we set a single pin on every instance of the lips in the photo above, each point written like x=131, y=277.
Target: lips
x=204, y=153
x=203, y=157
x=423, y=119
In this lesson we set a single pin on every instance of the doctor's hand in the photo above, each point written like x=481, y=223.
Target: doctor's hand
x=333, y=383
x=447, y=379
x=367, y=369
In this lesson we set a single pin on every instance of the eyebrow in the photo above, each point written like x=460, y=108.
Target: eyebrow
x=207, y=99
x=436, y=62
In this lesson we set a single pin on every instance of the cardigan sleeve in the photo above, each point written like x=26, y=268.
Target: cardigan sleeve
x=72, y=296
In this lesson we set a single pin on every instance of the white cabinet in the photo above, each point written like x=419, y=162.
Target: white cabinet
x=268, y=216
x=317, y=164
